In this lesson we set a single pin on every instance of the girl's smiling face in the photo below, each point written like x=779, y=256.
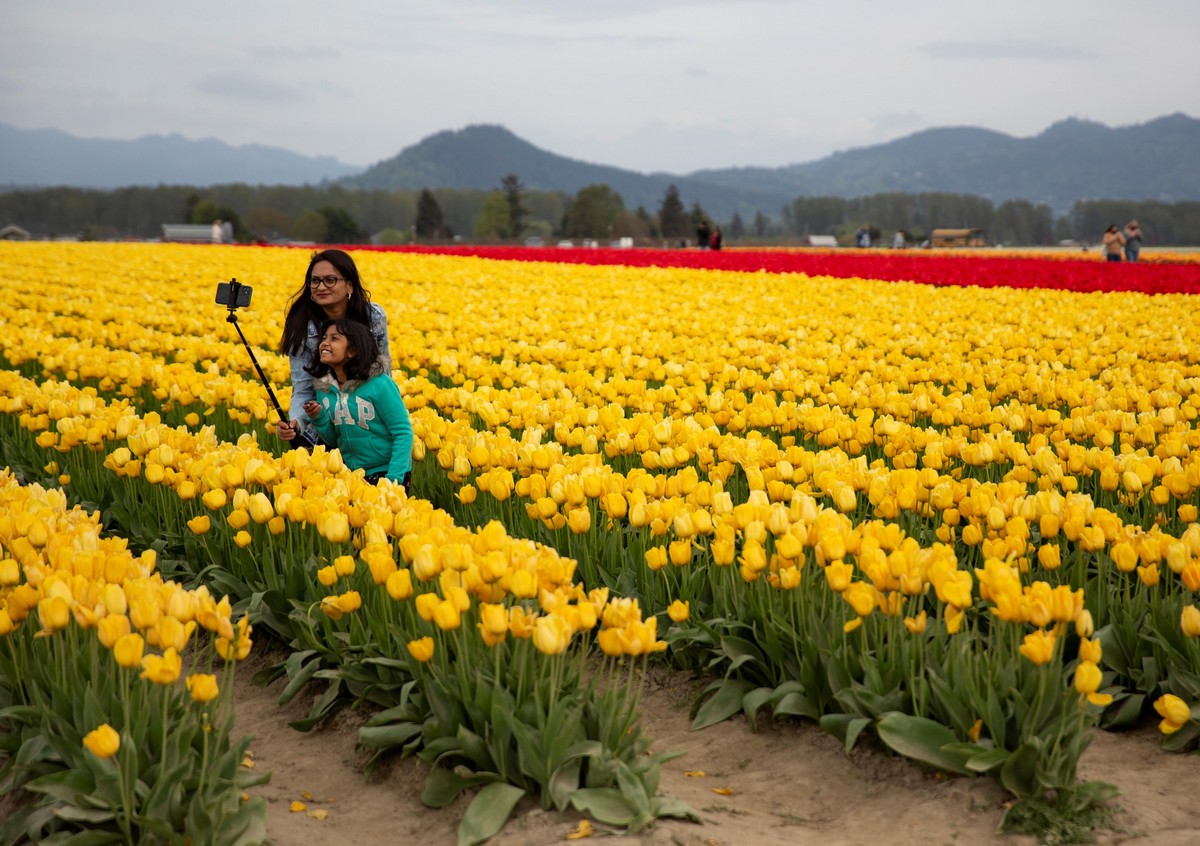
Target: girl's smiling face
x=334, y=349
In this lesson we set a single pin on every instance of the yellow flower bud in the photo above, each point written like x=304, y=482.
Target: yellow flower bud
x=103, y=742
x=678, y=611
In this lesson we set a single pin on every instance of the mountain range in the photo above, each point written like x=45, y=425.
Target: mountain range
x=1069, y=161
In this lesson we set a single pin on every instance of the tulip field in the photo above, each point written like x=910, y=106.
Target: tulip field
x=946, y=502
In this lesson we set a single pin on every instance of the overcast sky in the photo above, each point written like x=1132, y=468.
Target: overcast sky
x=647, y=85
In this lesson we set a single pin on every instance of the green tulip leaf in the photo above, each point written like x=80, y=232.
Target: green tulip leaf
x=726, y=702
x=845, y=727
x=443, y=786
x=753, y=701
x=66, y=786
x=795, y=704
x=663, y=807
x=921, y=739
x=564, y=782
x=604, y=804
x=488, y=812
x=1019, y=773
x=382, y=737
x=1123, y=712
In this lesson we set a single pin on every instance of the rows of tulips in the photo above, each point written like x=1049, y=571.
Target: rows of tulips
x=116, y=688
x=928, y=502
x=473, y=643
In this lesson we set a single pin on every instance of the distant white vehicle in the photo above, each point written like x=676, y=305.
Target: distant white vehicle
x=534, y=242
x=566, y=242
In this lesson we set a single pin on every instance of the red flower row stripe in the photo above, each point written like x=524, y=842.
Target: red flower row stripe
x=984, y=270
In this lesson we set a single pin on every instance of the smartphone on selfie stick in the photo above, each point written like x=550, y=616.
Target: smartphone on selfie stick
x=234, y=295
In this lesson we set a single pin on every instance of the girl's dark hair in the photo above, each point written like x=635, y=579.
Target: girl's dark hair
x=359, y=341
x=302, y=309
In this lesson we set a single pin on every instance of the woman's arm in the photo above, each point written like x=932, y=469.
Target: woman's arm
x=379, y=329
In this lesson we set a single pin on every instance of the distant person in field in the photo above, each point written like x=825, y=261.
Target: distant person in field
x=714, y=240
x=702, y=235
x=331, y=290
x=227, y=232
x=862, y=238
x=1114, y=243
x=898, y=240
x=217, y=232
x=1133, y=240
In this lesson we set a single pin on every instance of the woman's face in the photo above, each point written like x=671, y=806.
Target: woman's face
x=329, y=289
x=334, y=349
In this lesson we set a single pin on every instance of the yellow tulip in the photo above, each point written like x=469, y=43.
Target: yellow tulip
x=214, y=499
x=1174, y=711
x=421, y=649
x=656, y=557
x=493, y=618
x=678, y=611
x=162, y=669
x=862, y=597
x=446, y=616
x=334, y=526
x=10, y=572
x=680, y=552
x=427, y=603
x=127, y=650
x=551, y=634
x=243, y=539
x=399, y=585
x=103, y=741
x=579, y=520
x=54, y=613
x=838, y=575
x=1087, y=677
x=199, y=525
x=202, y=687
x=1038, y=647
x=1189, y=621
x=111, y=628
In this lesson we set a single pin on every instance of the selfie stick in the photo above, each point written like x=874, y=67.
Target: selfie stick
x=234, y=290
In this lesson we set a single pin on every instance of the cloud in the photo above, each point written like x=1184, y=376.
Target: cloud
x=235, y=87
x=1043, y=51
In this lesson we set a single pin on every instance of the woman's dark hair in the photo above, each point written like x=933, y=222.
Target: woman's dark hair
x=303, y=310
x=359, y=341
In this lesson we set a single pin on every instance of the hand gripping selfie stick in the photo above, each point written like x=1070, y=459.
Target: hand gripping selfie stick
x=234, y=295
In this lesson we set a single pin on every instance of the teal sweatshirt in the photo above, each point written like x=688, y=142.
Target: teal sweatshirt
x=367, y=421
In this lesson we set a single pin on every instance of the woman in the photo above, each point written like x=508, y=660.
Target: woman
x=332, y=291
x=1114, y=243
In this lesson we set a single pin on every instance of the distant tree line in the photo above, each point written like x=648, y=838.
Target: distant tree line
x=336, y=214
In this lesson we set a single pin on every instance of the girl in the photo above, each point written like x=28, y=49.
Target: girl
x=357, y=407
x=331, y=291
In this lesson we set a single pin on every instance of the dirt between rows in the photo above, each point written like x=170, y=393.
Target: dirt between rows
x=791, y=784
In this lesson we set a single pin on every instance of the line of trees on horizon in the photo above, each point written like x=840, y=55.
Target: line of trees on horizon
x=335, y=214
